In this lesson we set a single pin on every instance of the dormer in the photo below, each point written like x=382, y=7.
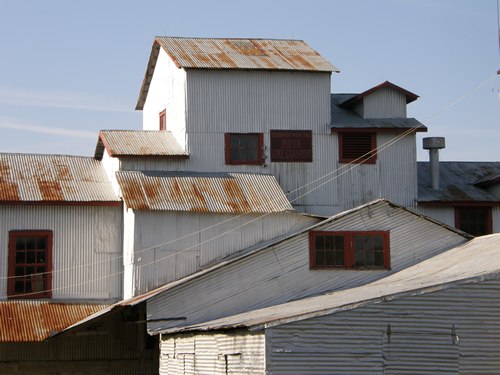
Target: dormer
x=386, y=100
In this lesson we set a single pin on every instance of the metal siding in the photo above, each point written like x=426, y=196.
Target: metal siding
x=209, y=353
x=86, y=249
x=48, y=178
x=421, y=340
x=281, y=273
x=384, y=103
x=174, y=245
x=443, y=214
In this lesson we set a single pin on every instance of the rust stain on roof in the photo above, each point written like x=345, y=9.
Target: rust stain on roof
x=202, y=192
x=50, y=190
x=9, y=190
x=28, y=321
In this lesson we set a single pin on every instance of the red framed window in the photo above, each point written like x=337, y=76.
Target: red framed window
x=358, y=147
x=30, y=264
x=474, y=220
x=244, y=148
x=163, y=120
x=361, y=250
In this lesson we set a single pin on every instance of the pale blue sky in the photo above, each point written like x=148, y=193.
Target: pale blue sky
x=70, y=68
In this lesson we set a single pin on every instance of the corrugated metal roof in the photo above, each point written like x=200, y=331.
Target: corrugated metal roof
x=22, y=321
x=228, y=53
x=346, y=118
x=202, y=192
x=410, y=97
x=474, y=261
x=459, y=182
x=138, y=143
x=53, y=178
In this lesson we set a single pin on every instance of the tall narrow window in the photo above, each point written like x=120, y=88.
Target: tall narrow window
x=244, y=148
x=474, y=220
x=163, y=120
x=364, y=250
x=358, y=147
x=30, y=264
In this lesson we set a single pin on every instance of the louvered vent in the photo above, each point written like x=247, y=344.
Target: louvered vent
x=357, y=147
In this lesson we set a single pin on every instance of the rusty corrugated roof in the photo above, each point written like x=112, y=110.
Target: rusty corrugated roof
x=53, y=178
x=138, y=143
x=22, y=321
x=202, y=192
x=234, y=53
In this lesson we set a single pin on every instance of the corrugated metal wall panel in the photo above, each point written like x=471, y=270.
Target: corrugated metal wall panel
x=384, y=103
x=171, y=245
x=213, y=353
x=87, y=260
x=449, y=331
x=281, y=273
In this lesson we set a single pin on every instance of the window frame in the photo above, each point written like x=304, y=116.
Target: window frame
x=489, y=217
x=260, y=149
x=349, y=256
x=163, y=120
x=372, y=156
x=13, y=235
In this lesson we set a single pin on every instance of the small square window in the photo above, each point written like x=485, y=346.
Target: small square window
x=30, y=258
x=365, y=250
x=358, y=147
x=244, y=148
x=474, y=220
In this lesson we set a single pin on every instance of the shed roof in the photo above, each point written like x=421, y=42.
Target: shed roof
x=144, y=143
x=22, y=321
x=459, y=182
x=344, y=117
x=234, y=53
x=202, y=192
x=53, y=179
x=474, y=261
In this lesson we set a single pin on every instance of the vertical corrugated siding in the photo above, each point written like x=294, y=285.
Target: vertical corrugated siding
x=212, y=353
x=281, y=273
x=384, y=103
x=86, y=249
x=449, y=331
x=196, y=247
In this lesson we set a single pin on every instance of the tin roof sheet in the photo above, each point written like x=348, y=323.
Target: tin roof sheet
x=231, y=53
x=459, y=182
x=22, y=321
x=410, y=97
x=474, y=261
x=138, y=143
x=53, y=178
x=346, y=118
x=202, y=192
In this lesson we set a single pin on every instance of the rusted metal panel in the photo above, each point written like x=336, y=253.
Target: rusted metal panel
x=268, y=54
x=202, y=192
x=138, y=143
x=53, y=178
x=22, y=321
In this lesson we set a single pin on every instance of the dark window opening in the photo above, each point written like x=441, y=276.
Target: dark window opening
x=349, y=250
x=474, y=220
x=244, y=148
x=30, y=264
x=358, y=147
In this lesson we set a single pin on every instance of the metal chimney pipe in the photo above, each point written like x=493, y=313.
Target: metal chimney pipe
x=434, y=144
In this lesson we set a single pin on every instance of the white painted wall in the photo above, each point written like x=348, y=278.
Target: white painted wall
x=86, y=248
x=281, y=273
x=167, y=91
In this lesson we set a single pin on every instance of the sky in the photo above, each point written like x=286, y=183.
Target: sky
x=71, y=68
